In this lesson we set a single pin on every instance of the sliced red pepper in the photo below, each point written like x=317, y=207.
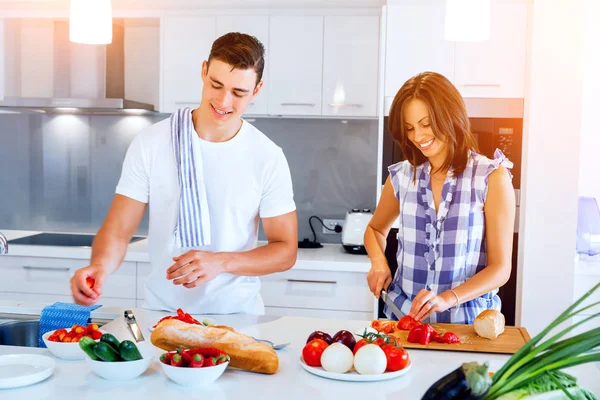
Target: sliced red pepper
x=421, y=334
x=407, y=322
x=197, y=361
x=450, y=338
x=177, y=360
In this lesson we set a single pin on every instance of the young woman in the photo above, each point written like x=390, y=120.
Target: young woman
x=456, y=210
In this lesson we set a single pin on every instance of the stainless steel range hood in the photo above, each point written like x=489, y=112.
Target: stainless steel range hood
x=86, y=78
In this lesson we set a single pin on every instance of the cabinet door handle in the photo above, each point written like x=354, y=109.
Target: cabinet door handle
x=345, y=105
x=299, y=104
x=31, y=268
x=481, y=85
x=196, y=103
x=311, y=281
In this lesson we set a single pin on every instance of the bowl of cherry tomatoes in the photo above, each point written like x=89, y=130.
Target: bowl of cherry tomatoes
x=64, y=343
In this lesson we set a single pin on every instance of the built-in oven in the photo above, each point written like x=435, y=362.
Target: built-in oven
x=504, y=133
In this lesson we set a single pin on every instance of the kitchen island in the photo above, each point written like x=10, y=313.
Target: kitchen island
x=74, y=380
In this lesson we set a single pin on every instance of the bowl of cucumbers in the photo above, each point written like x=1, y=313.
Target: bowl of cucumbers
x=114, y=360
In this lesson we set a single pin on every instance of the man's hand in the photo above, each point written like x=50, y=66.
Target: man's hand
x=195, y=268
x=86, y=284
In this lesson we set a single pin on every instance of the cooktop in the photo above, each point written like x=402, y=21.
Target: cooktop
x=61, y=239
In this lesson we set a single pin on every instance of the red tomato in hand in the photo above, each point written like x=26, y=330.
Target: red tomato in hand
x=406, y=323
x=397, y=357
x=90, y=282
x=312, y=352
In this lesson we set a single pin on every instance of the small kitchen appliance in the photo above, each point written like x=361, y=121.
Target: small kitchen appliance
x=353, y=233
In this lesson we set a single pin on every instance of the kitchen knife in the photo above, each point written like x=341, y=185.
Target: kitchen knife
x=133, y=326
x=390, y=303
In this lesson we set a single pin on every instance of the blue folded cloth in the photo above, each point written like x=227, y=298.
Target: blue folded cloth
x=63, y=315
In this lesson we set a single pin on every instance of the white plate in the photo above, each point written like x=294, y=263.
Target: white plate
x=18, y=370
x=354, y=376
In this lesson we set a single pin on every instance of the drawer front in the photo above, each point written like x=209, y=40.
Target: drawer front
x=318, y=290
x=326, y=314
x=52, y=298
x=39, y=275
x=582, y=285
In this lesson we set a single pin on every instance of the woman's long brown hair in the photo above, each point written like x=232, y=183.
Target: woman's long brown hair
x=448, y=115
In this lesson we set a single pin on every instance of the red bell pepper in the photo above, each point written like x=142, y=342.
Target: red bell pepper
x=421, y=334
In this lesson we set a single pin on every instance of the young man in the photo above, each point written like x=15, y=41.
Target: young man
x=208, y=177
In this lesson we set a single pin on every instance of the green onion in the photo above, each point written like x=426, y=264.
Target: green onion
x=537, y=358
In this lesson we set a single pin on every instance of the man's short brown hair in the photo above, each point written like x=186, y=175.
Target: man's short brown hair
x=241, y=51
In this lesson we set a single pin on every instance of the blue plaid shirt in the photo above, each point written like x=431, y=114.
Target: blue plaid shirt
x=440, y=252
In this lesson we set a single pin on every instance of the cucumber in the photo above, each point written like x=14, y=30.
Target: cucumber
x=105, y=352
x=87, y=345
x=111, y=340
x=129, y=351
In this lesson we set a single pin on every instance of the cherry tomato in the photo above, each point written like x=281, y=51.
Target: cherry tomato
x=312, y=352
x=90, y=282
x=397, y=357
x=359, y=344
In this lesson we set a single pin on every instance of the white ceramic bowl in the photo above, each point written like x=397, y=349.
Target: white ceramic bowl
x=64, y=350
x=122, y=370
x=194, y=376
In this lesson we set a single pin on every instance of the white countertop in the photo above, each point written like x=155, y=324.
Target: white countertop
x=332, y=257
x=73, y=379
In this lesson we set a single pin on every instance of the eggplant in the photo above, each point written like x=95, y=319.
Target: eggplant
x=470, y=381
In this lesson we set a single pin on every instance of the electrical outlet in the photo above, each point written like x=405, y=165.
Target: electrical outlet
x=331, y=223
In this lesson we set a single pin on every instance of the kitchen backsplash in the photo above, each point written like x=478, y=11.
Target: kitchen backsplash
x=59, y=171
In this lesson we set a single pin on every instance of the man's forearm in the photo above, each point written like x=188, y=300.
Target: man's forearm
x=108, y=251
x=273, y=257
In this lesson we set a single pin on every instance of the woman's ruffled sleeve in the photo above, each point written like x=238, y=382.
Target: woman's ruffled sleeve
x=499, y=159
x=398, y=174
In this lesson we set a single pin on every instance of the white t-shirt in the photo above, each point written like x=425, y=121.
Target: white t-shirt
x=245, y=178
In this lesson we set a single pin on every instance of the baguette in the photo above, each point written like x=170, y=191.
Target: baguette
x=245, y=352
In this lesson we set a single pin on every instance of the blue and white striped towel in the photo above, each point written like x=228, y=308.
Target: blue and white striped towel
x=193, y=224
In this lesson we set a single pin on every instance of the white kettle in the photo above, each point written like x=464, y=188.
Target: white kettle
x=353, y=233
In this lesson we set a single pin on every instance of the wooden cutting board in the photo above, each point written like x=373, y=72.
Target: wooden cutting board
x=508, y=342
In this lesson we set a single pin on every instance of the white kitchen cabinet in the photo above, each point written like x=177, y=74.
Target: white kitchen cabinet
x=295, y=65
x=318, y=294
x=496, y=67
x=350, y=65
x=257, y=26
x=143, y=270
x=28, y=298
x=415, y=43
x=185, y=43
x=51, y=276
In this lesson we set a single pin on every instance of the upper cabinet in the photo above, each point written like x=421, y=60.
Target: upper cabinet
x=257, y=26
x=315, y=65
x=186, y=43
x=296, y=65
x=496, y=67
x=350, y=65
x=415, y=43
x=493, y=68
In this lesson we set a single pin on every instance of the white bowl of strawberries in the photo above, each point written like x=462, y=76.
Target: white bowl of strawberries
x=194, y=367
x=64, y=343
